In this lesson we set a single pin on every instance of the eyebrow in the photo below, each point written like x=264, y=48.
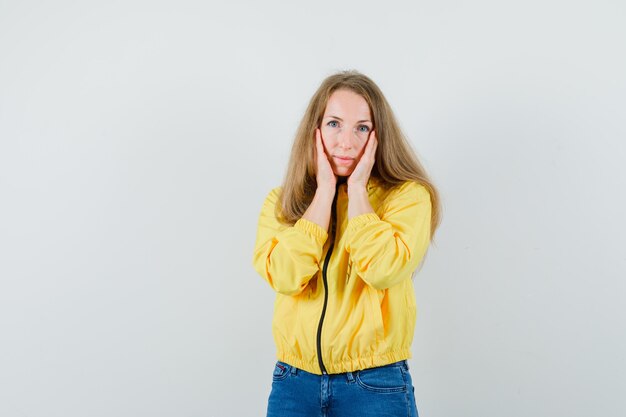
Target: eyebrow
x=339, y=118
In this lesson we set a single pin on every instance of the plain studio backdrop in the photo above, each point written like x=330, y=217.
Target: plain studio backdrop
x=138, y=140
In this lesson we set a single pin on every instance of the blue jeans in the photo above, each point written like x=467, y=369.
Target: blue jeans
x=382, y=391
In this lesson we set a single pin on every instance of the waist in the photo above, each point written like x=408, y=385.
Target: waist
x=404, y=364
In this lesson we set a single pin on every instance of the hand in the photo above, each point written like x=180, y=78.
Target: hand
x=325, y=176
x=361, y=173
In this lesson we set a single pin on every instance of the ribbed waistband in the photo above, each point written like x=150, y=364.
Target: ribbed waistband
x=401, y=364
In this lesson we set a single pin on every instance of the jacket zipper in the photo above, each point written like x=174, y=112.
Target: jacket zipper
x=325, y=279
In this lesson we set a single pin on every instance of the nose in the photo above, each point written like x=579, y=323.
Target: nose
x=345, y=138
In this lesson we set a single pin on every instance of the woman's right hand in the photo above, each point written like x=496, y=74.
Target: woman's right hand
x=325, y=176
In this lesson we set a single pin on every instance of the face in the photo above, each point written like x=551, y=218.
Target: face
x=346, y=126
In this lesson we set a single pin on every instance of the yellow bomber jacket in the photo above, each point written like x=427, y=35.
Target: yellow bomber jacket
x=345, y=302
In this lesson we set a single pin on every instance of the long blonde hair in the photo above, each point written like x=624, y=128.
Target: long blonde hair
x=396, y=162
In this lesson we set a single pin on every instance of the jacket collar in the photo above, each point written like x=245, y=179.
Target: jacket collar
x=372, y=183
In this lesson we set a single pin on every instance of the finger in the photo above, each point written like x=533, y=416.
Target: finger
x=372, y=147
x=319, y=134
x=322, y=145
x=321, y=153
x=373, y=142
x=370, y=139
x=318, y=141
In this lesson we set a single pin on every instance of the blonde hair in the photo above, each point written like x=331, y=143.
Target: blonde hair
x=396, y=162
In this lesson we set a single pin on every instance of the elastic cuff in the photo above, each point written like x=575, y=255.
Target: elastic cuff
x=311, y=228
x=362, y=219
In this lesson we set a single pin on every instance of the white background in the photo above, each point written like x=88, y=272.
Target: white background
x=139, y=138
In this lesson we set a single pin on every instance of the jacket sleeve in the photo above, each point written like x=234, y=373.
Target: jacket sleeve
x=287, y=257
x=386, y=250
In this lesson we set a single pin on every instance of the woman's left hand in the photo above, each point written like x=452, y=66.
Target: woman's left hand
x=361, y=173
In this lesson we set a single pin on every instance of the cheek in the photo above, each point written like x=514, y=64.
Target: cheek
x=328, y=144
x=328, y=136
x=362, y=149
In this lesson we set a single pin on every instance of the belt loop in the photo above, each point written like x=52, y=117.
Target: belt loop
x=350, y=376
x=294, y=370
x=406, y=364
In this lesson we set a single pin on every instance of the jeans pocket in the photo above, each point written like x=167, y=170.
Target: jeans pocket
x=382, y=379
x=281, y=370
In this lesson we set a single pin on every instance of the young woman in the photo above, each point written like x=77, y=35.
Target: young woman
x=339, y=242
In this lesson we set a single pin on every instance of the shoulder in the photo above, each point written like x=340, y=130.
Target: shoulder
x=410, y=195
x=273, y=192
x=409, y=190
x=272, y=196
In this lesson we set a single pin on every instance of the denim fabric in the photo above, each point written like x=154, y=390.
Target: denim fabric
x=382, y=391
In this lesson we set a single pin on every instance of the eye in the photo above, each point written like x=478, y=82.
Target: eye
x=329, y=123
x=367, y=128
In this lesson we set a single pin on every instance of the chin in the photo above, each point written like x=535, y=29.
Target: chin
x=343, y=174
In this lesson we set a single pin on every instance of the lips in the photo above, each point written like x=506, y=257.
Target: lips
x=343, y=161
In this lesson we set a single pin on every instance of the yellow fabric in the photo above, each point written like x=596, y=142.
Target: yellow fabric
x=371, y=311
